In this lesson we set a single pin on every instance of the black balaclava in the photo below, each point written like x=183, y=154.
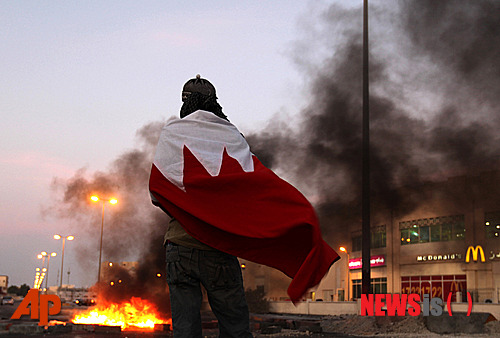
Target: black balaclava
x=199, y=94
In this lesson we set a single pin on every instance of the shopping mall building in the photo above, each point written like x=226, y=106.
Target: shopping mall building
x=446, y=241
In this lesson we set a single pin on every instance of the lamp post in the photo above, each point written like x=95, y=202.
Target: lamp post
x=37, y=278
x=343, y=249
x=41, y=277
x=42, y=256
x=52, y=254
x=69, y=238
x=95, y=198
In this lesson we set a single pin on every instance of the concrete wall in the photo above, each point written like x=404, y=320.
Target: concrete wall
x=494, y=309
x=315, y=308
x=339, y=308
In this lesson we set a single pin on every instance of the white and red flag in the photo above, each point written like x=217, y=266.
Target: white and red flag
x=205, y=176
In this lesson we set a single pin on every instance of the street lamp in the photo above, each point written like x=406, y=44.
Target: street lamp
x=42, y=256
x=343, y=249
x=37, y=277
x=95, y=198
x=69, y=238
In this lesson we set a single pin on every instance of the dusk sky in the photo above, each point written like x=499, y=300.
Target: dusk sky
x=79, y=79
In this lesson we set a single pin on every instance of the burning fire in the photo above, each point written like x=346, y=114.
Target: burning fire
x=136, y=314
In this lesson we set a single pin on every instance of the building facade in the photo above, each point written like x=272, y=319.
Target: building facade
x=4, y=284
x=440, y=239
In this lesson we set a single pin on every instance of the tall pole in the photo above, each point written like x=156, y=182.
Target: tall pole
x=62, y=263
x=95, y=198
x=365, y=283
x=348, y=279
x=42, y=275
x=47, y=276
x=100, y=245
x=69, y=238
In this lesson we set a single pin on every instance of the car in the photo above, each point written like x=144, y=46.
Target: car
x=7, y=300
x=85, y=301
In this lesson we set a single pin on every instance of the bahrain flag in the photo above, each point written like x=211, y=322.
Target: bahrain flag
x=205, y=176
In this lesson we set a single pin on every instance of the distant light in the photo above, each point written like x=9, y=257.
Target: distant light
x=70, y=238
x=402, y=239
x=487, y=223
x=113, y=201
x=496, y=234
x=57, y=236
x=37, y=269
x=53, y=254
x=39, y=256
x=43, y=253
x=498, y=226
x=414, y=225
x=158, y=275
x=112, y=283
x=94, y=198
x=343, y=249
x=407, y=239
x=110, y=264
x=119, y=281
x=243, y=266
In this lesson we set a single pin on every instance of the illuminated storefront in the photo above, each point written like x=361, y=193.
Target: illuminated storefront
x=436, y=286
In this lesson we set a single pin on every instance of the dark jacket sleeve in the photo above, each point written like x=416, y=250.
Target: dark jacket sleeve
x=157, y=204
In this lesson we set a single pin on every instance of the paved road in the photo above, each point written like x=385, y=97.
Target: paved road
x=6, y=312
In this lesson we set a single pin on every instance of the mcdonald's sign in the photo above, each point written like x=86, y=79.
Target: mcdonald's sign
x=474, y=251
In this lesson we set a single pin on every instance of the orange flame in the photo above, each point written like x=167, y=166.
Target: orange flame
x=136, y=314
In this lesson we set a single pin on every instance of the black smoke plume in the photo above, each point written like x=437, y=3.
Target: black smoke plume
x=434, y=92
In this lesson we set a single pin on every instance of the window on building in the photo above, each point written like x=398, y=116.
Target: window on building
x=377, y=285
x=340, y=295
x=357, y=243
x=492, y=224
x=446, y=232
x=437, y=229
x=377, y=240
x=436, y=286
x=435, y=233
x=424, y=234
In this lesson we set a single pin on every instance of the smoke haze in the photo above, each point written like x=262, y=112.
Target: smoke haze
x=434, y=86
x=433, y=96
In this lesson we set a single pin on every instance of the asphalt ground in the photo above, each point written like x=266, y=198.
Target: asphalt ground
x=262, y=326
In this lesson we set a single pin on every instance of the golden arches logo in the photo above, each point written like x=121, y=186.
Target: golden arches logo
x=475, y=251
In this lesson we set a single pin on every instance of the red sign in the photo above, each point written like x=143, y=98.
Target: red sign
x=356, y=263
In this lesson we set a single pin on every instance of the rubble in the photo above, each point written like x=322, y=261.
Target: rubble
x=395, y=327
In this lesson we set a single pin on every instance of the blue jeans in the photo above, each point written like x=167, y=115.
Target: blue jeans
x=220, y=274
